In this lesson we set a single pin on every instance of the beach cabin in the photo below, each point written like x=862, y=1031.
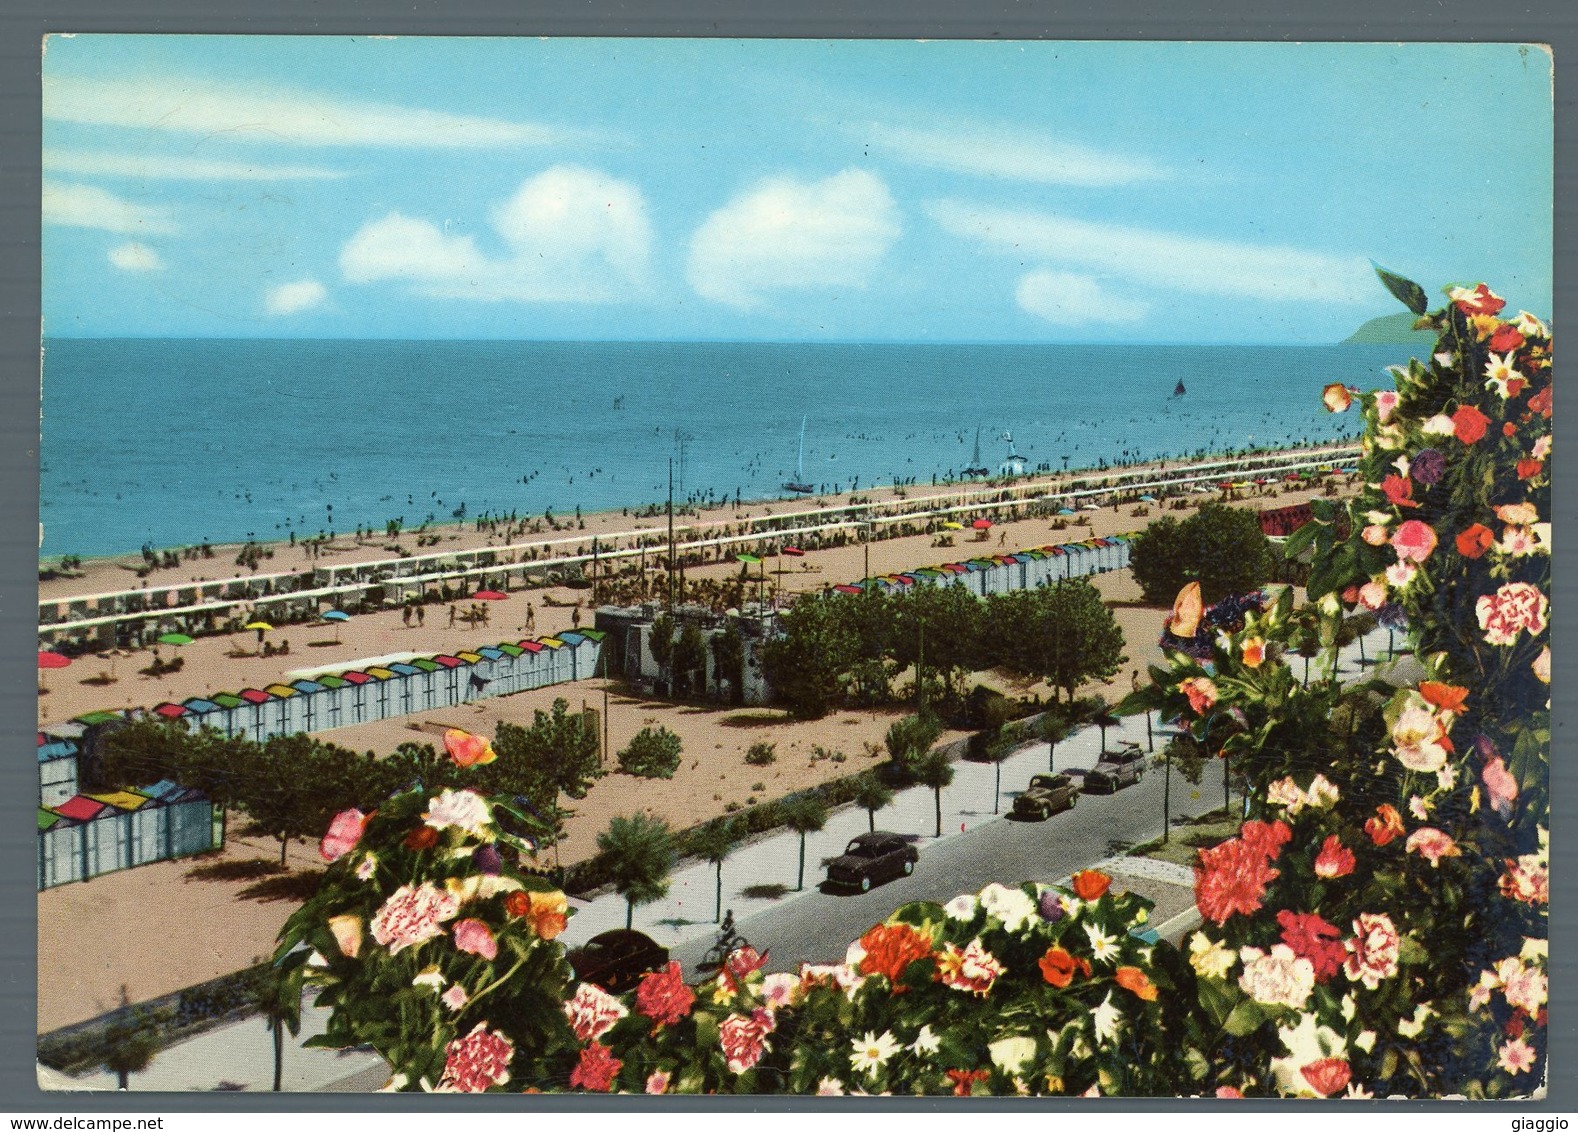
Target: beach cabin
x=256, y=717
x=57, y=768
x=357, y=696
x=201, y=713
x=384, y=700
x=284, y=715
x=507, y=669
x=333, y=697
x=572, y=654
x=425, y=683
x=313, y=708
x=466, y=687
x=230, y=716
x=453, y=688
x=403, y=690
x=534, y=670
x=88, y=835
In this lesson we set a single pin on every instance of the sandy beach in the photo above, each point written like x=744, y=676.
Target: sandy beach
x=221, y=912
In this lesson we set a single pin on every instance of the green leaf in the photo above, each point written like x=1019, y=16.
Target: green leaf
x=1245, y=1019
x=1407, y=292
x=1218, y=999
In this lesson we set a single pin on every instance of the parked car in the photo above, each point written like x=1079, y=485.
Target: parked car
x=1046, y=795
x=1116, y=770
x=871, y=859
x=616, y=960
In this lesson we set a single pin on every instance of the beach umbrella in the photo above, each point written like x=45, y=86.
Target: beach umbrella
x=261, y=627
x=751, y=558
x=51, y=660
x=1147, y=499
x=177, y=639
x=1065, y=510
x=950, y=525
x=982, y=524
x=337, y=616
x=794, y=552
x=488, y=595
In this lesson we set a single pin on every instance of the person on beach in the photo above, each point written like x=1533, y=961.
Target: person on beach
x=575, y=616
x=405, y=616
x=421, y=616
x=453, y=613
x=531, y=616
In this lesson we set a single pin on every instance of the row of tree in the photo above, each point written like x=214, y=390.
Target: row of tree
x=848, y=648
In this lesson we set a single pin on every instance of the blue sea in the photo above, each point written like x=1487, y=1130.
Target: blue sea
x=172, y=442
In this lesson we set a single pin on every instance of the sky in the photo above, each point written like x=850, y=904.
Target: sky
x=302, y=187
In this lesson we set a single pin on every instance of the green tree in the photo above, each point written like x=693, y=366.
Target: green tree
x=690, y=662
x=1072, y=636
x=807, y=663
x=1218, y=546
x=556, y=756
x=713, y=843
x=653, y=753
x=1104, y=718
x=728, y=660
x=803, y=813
x=293, y=786
x=129, y=1042
x=940, y=627
x=661, y=643
x=1003, y=743
x=1053, y=728
x=871, y=795
x=640, y=854
x=279, y=998
x=909, y=739
x=935, y=771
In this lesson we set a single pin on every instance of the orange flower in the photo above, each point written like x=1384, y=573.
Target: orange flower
x=1254, y=652
x=1469, y=424
x=422, y=837
x=517, y=904
x=468, y=749
x=1187, y=609
x=1447, y=697
x=1058, y=967
x=1473, y=541
x=1528, y=469
x=1091, y=884
x=548, y=914
x=964, y=1080
x=890, y=948
x=1386, y=826
x=1136, y=980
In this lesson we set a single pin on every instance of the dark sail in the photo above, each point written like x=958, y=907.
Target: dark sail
x=1179, y=390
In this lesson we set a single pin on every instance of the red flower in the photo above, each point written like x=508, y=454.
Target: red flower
x=1474, y=541
x=1333, y=860
x=596, y=1070
x=1528, y=469
x=1267, y=837
x=420, y=838
x=1327, y=1076
x=964, y=1080
x=1506, y=339
x=663, y=995
x=744, y=1040
x=1232, y=878
x=1447, y=697
x=1509, y=429
x=1469, y=424
x=1091, y=884
x=890, y=948
x=517, y=903
x=476, y=1061
x=1541, y=402
x=1135, y=980
x=1314, y=939
x=344, y=832
x=1058, y=967
x=1386, y=826
x=1481, y=300
x=1399, y=491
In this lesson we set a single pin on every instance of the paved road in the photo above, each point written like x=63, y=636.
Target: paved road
x=817, y=927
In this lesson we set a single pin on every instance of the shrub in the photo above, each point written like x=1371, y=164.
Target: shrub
x=761, y=754
x=653, y=753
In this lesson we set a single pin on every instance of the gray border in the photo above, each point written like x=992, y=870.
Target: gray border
x=1553, y=22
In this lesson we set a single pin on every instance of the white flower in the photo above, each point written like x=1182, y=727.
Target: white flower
x=1535, y=949
x=1439, y=425
x=430, y=977
x=1011, y=1054
x=853, y=954
x=1500, y=372
x=1446, y=777
x=1529, y=326
x=1349, y=1007
x=1306, y=1043
x=829, y=1087
x=368, y=866
x=1415, y=734
x=1209, y=958
x=1286, y=792
x=1445, y=359
x=1322, y=794
x=1357, y=1092
x=925, y=1042
x=961, y=907
x=1412, y=1027
x=1278, y=977
x=1377, y=518
x=462, y=809
x=1401, y=574
x=1106, y=1018
x=1419, y=808
x=1009, y=905
x=1365, y=1041
x=1103, y=947
x=455, y=997
x=871, y=1053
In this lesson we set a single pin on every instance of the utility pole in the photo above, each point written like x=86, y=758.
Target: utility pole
x=671, y=534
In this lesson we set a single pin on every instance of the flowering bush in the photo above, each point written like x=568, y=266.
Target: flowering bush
x=1377, y=926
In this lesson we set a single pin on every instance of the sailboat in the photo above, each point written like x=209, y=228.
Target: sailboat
x=798, y=484
x=1179, y=390
x=976, y=468
x=1014, y=464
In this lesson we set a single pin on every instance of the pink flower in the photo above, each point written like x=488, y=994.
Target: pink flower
x=462, y=809
x=596, y=1069
x=663, y=995
x=1527, y=880
x=744, y=1041
x=1328, y=1075
x=468, y=749
x=1500, y=786
x=1372, y=595
x=1228, y=1093
x=593, y=1011
x=477, y=1061
x=344, y=832
x=1478, y=300
x=1541, y=665
x=1373, y=950
x=1431, y=844
x=1414, y=541
x=1279, y=977
x=1314, y=939
x=1231, y=879
x=1400, y=574
x=972, y=970
x=1375, y=535
x=657, y=1083
x=1385, y=404
x=455, y=998
x=412, y=915
x=1527, y=989
x=1201, y=691
x=1515, y=606
x=1333, y=860
x=474, y=937
x=1517, y=1056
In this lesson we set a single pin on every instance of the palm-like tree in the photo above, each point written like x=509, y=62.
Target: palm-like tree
x=640, y=852
x=1000, y=747
x=279, y=998
x=871, y=795
x=713, y=843
x=934, y=770
x=1105, y=719
x=804, y=813
x=1054, y=729
x=129, y=1043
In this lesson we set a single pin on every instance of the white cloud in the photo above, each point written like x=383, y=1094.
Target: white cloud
x=157, y=167
x=275, y=114
x=293, y=298
x=1073, y=300
x=790, y=233
x=990, y=151
x=135, y=257
x=1166, y=260
x=83, y=206
x=571, y=234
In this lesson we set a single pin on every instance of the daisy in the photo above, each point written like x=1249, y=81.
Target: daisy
x=871, y=1053
x=1103, y=947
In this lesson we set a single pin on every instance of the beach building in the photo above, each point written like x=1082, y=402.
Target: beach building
x=627, y=648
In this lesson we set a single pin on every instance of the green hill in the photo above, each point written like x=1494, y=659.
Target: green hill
x=1390, y=330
